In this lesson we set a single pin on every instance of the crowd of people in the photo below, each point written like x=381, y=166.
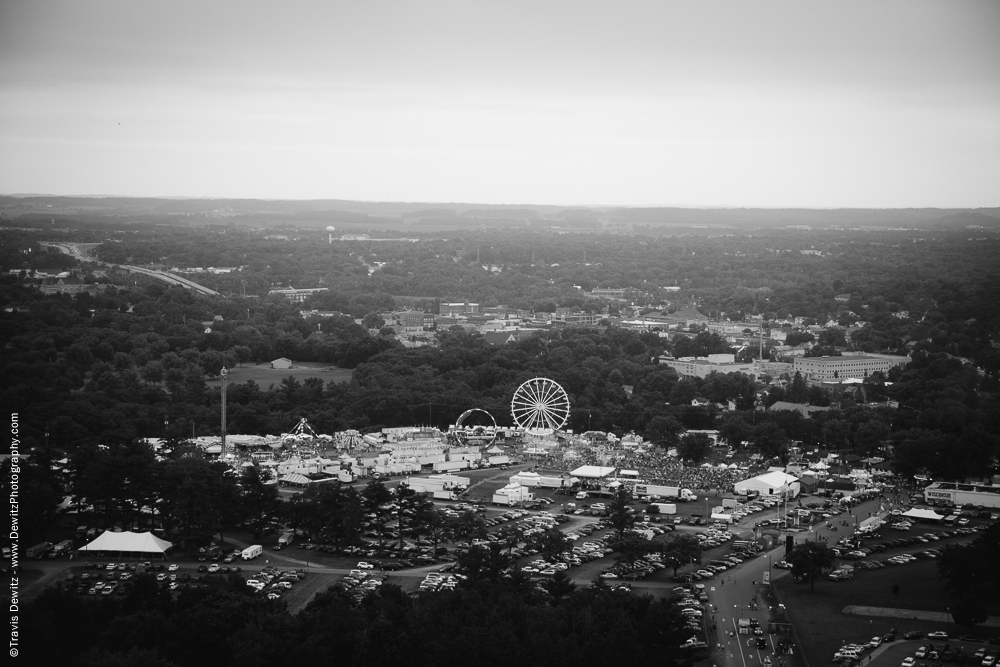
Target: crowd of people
x=653, y=466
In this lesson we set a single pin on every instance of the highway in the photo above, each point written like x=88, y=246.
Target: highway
x=171, y=278
x=80, y=254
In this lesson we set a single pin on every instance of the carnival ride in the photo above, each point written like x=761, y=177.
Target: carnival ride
x=474, y=435
x=350, y=440
x=540, y=407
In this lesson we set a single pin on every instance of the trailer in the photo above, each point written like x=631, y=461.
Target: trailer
x=38, y=551
x=650, y=490
x=498, y=460
x=451, y=481
x=551, y=482
x=252, y=552
x=449, y=466
x=663, y=508
x=425, y=485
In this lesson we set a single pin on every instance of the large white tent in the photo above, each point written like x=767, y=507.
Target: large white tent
x=592, y=472
x=923, y=515
x=770, y=484
x=128, y=542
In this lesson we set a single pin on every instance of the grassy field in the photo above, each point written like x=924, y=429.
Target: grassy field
x=823, y=627
x=265, y=376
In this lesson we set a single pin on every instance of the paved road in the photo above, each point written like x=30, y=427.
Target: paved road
x=736, y=592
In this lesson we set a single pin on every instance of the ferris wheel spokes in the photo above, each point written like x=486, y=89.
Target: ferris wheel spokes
x=540, y=405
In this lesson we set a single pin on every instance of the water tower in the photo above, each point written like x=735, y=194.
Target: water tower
x=330, y=230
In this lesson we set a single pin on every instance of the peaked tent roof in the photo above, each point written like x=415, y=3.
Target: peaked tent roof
x=923, y=514
x=127, y=541
x=295, y=478
x=777, y=479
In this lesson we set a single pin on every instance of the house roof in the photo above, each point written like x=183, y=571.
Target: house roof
x=499, y=337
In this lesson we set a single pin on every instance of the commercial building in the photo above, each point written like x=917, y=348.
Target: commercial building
x=464, y=308
x=963, y=494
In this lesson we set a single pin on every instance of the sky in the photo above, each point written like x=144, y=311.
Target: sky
x=761, y=103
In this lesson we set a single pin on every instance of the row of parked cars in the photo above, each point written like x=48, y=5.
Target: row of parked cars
x=440, y=581
x=359, y=583
x=690, y=602
x=852, y=550
x=272, y=582
x=753, y=507
x=947, y=653
x=713, y=537
x=718, y=565
x=85, y=584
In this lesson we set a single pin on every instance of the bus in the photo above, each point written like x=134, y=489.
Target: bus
x=61, y=549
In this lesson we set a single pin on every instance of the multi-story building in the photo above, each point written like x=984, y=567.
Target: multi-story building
x=609, y=292
x=298, y=295
x=817, y=370
x=703, y=366
x=464, y=308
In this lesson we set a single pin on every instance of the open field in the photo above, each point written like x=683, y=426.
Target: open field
x=823, y=627
x=265, y=376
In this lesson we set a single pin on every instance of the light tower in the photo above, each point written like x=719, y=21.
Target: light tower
x=330, y=230
x=223, y=373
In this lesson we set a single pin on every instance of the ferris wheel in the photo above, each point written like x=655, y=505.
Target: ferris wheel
x=540, y=406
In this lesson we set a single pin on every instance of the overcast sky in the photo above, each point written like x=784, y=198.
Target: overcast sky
x=730, y=103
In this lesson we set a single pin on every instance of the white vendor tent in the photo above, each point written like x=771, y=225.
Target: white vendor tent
x=592, y=472
x=770, y=484
x=294, y=478
x=525, y=478
x=923, y=515
x=128, y=542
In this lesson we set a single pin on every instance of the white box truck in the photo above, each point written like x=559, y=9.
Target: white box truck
x=444, y=495
x=286, y=538
x=506, y=501
x=664, y=508
x=252, y=552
